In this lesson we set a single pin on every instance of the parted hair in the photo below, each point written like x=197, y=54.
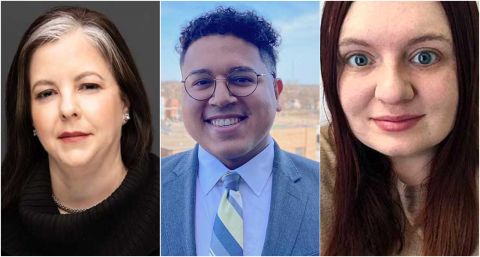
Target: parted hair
x=368, y=219
x=24, y=150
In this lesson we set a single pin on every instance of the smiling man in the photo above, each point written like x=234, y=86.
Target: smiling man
x=236, y=192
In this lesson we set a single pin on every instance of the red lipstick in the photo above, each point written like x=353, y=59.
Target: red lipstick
x=74, y=136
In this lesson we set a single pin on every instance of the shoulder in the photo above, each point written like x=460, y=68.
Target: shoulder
x=150, y=170
x=177, y=164
x=303, y=164
x=295, y=165
x=327, y=178
x=170, y=162
x=327, y=144
x=153, y=163
x=327, y=157
x=15, y=239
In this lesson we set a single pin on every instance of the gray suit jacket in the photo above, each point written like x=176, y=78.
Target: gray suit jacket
x=293, y=225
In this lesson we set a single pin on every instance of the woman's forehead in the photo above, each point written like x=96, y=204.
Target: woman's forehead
x=394, y=22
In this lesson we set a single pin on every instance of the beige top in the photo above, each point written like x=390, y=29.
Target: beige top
x=412, y=199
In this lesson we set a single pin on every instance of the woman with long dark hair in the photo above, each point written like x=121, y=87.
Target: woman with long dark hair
x=78, y=178
x=399, y=160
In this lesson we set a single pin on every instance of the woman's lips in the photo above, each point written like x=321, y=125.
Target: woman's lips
x=72, y=137
x=396, y=123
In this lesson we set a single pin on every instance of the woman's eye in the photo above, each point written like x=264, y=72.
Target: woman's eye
x=90, y=86
x=45, y=93
x=358, y=60
x=425, y=58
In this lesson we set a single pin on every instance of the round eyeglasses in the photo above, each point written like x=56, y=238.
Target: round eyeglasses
x=201, y=85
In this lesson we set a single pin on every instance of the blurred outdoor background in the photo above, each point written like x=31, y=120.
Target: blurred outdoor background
x=296, y=127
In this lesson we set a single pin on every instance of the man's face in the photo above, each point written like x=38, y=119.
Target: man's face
x=234, y=129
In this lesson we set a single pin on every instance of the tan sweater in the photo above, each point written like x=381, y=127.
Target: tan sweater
x=411, y=198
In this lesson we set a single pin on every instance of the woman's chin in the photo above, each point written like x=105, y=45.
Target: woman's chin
x=72, y=160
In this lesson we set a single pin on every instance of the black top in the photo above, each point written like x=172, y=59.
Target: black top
x=126, y=223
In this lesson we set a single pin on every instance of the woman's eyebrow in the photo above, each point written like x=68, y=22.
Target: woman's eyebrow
x=86, y=74
x=416, y=40
x=353, y=41
x=429, y=37
x=45, y=82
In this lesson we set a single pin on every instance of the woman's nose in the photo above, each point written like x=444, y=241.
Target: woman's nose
x=69, y=106
x=393, y=84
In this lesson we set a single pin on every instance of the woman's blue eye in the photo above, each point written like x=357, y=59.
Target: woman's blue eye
x=425, y=58
x=358, y=60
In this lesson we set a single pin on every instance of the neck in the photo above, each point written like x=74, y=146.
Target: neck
x=85, y=186
x=413, y=170
x=233, y=163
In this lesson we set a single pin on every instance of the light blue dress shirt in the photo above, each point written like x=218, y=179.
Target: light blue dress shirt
x=255, y=188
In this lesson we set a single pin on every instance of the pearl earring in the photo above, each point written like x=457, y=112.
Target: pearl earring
x=34, y=132
x=126, y=117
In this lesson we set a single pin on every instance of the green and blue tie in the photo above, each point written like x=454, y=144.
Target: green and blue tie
x=227, y=235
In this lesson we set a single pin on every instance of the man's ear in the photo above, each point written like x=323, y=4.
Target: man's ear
x=278, y=87
x=278, y=90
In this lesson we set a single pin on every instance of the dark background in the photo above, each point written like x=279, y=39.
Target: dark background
x=138, y=22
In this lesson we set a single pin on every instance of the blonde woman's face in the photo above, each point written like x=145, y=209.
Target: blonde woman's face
x=398, y=82
x=76, y=104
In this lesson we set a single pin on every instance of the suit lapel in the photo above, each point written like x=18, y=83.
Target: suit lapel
x=178, y=207
x=287, y=206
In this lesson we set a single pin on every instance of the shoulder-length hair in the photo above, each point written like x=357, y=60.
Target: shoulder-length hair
x=24, y=150
x=368, y=220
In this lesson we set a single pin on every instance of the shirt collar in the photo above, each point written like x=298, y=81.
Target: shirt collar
x=255, y=172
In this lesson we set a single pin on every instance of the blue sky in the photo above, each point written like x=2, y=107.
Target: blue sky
x=297, y=22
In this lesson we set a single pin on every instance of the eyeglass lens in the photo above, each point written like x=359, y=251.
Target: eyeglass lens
x=201, y=86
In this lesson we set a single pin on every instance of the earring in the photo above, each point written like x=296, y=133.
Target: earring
x=34, y=132
x=126, y=117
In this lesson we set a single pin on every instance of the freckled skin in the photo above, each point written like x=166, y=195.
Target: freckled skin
x=393, y=84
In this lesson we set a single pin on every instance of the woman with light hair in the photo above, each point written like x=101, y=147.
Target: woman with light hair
x=78, y=178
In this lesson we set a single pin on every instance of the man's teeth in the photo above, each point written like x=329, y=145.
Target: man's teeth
x=225, y=122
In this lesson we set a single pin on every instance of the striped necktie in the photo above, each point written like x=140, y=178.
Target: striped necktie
x=227, y=235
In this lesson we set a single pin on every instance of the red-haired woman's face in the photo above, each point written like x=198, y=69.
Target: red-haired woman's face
x=398, y=82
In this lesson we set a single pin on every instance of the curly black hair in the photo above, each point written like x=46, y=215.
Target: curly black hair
x=228, y=21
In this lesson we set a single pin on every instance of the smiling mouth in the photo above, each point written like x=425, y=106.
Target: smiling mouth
x=225, y=122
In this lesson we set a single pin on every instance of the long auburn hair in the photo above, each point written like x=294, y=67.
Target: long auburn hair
x=24, y=150
x=368, y=220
